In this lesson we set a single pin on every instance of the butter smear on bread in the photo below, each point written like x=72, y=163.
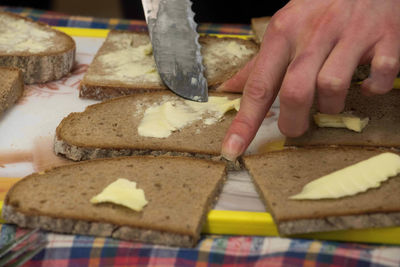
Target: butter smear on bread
x=161, y=120
x=23, y=36
x=343, y=120
x=353, y=179
x=122, y=192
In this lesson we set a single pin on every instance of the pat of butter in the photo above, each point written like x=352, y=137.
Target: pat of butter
x=122, y=192
x=353, y=179
x=161, y=120
x=348, y=121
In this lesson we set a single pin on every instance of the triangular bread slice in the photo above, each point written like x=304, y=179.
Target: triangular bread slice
x=42, y=53
x=11, y=87
x=125, y=65
x=180, y=192
x=278, y=175
x=110, y=129
x=383, y=128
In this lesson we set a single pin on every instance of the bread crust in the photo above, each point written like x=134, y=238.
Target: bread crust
x=73, y=226
x=16, y=88
x=45, y=66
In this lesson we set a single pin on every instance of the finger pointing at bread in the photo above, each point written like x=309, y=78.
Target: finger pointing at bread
x=313, y=47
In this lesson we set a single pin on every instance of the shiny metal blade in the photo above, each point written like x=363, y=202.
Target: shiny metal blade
x=176, y=48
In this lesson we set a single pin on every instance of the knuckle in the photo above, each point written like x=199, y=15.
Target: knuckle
x=294, y=96
x=330, y=85
x=258, y=89
x=386, y=65
x=280, y=21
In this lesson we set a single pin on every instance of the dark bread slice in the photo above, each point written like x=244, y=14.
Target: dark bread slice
x=11, y=87
x=383, y=128
x=278, y=175
x=111, y=72
x=42, y=53
x=180, y=191
x=109, y=129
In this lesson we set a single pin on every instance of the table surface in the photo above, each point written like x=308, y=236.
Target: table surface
x=70, y=250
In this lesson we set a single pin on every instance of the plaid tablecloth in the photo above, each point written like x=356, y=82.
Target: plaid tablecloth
x=70, y=250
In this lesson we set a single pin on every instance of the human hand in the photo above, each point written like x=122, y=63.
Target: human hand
x=314, y=46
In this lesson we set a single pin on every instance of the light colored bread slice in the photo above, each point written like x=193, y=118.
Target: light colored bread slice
x=109, y=129
x=383, y=128
x=42, y=53
x=180, y=192
x=11, y=87
x=278, y=175
x=259, y=25
x=118, y=70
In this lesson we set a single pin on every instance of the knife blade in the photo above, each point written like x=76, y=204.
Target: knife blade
x=176, y=49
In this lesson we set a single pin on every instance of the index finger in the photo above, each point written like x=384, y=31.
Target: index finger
x=259, y=92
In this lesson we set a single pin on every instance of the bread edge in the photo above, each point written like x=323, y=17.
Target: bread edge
x=77, y=153
x=102, y=229
x=16, y=91
x=335, y=223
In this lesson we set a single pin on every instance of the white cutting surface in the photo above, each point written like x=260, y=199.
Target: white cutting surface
x=27, y=130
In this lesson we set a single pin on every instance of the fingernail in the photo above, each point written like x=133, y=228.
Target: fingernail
x=233, y=147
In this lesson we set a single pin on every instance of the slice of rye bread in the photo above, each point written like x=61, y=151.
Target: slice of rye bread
x=180, y=191
x=118, y=70
x=11, y=87
x=278, y=175
x=110, y=129
x=382, y=130
x=42, y=53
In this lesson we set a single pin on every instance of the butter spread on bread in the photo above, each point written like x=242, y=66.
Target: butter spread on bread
x=131, y=62
x=122, y=192
x=343, y=120
x=163, y=119
x=21, y=35
x=354, y=179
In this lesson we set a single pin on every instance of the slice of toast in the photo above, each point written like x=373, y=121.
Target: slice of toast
x=42, y=53
x=125, y=65
x=382, y=130
x=11, y=87
x=278, y=175
x=180, y=192
x=110, y=129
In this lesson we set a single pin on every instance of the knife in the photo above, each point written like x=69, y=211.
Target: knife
x=176, y=48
